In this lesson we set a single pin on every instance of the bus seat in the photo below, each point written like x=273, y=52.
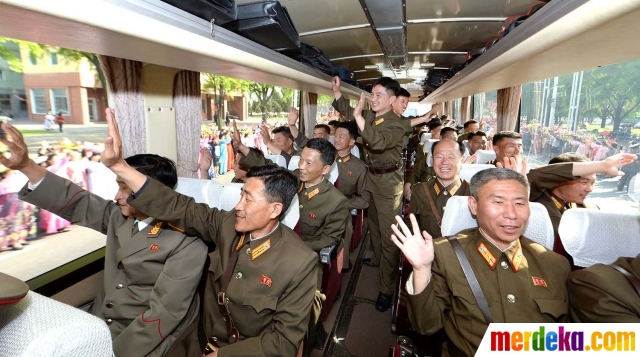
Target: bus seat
x=355, y=151
x=293, y=163
x=332, y=261
x=457, y=217
x=334, y=173
x=357, y=221
x=634, y=189
x=292, y=215
x=466, y=144
x=40, y=326
x=424, y=137
x=484, y=156
x=198, y=189
x=230, y=196
x=592, y=236
x=468, y=170
x=277, y=159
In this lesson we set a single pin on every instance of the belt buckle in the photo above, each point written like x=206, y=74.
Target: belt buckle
x=221, y=298
x=211, y=346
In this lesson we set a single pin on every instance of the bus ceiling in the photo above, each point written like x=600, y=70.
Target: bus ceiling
x=404, y=39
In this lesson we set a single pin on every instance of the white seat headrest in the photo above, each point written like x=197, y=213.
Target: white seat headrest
x=468, y=170
x=230, y=196
x=593, y=236
x=277, y=159
x=334, y=173
x=293, y=163
x=198, y=189
x=485, y=156
x=292, y=215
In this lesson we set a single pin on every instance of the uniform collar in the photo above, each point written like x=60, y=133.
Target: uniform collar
x=343, y=159
x=311, y=192
x=491, y=254
x=258, y=247
x=450, y=190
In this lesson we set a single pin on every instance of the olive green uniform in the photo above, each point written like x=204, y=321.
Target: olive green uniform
x=382, y=137
x=526, y=283
x=147, y=296
x=272, y=285
x=542, y=181
x=463, y=137
x=421, y=208
x=602, y=294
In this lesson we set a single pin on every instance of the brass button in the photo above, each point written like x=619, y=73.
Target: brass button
x=301, y=206
x=110, y=305
x=239, y=276
x=248, y=250
x=511, y=298
x=109, y=321
x=504, y=265
x=119, y=286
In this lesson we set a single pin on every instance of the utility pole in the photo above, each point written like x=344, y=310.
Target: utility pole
x=554, y=96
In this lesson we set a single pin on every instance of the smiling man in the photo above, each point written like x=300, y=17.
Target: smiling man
x=519, y=280
x=429, y=198
x=261, y=280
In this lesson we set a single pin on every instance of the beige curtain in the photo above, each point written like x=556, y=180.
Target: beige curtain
x=310, y=108
x=124, y=82
x=187, y=105
x=508, y=105
x=465, y=110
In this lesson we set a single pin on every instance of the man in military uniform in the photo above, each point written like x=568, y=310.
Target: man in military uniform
x=601, y=293
x=567, y=182
x=520, y=280
x=152, y=269
x=429, y=198
x=469, y=127
x=321, y=131
x=506, y=144
x=261, y=280
x=477, y=140
x=282, y=143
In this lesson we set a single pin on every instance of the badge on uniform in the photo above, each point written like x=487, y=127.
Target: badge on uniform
x=349, y=173
x=345, y=159
x=539, y=281
x=266, y=280
x=154, y=247
x=261, y=249
x=313, y=193
x=379, y=121
x=155, y=230
x=486, y=254
x=312, y=215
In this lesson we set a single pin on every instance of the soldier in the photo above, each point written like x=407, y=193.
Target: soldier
x=469, y=127
x=382, y=131
x=430, y=197
x=567, y=182
x=261, y=280
x=152, y=268
x=321, y=131
x=519, y=280
x=477, y=140
x=507, y=144
x=282, y=143
x=602, y=293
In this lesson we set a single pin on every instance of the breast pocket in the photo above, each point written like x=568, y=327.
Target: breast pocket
x=555, y=308
x=260, y=303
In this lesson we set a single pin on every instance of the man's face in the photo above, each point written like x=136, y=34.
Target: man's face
x=239, y=171
x=508, y=147
x=400, y=105
x=342, y=140
x=472, y=127
x=435, y=133
x=121, y=198
x=311, y=166
x=477, y=143
x=447, y=160
x=577, y=190
x=502, y=210
x=333, y=129
x=381, y=101
x=253, y=211
x=320, y=133
x=283, y=142
x=449, y=135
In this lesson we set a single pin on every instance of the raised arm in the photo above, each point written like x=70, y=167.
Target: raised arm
x=266, y=139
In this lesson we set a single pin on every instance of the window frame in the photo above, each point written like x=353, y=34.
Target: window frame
x=34, y=106
x=53, y=55
x=54, y=107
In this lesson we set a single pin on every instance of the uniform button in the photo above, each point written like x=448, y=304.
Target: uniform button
x=301, y=206
x=110, y=305
x=248, y=250
x=504, y=264
x=109, y=321
x=511, y=298
x=120, y=286
x=239, y=276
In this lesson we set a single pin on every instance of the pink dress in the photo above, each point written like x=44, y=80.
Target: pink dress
x=50, y=222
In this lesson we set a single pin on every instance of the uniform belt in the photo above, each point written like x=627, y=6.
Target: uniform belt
x=384, y=170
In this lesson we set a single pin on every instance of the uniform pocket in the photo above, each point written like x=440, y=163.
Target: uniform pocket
x=260, y=302
x=464, y=292
x=553, y=307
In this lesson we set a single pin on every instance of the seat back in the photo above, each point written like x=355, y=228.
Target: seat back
x=292, y=216
x=355, y=151
x=293, y=163
x=198, y=189
x=485, y=156
x=334, y=173
x=468, y=170
x=230, y=196
x=457, y=217
x=593, y=236
x=425, y=136
x=50, y=328
x=634, y=188
x=213, y=194
x=277, y=159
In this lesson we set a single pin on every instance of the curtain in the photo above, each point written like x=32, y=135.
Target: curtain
x=310, y=108
x=508, y=105
x=124, y=90
x=187, y=104
x=464, y=110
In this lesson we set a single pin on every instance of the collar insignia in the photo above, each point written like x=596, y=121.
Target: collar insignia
x=240, y=243
x=261, y=249
x=486, y=254
x=313, y=193
x=379, y=121
x=517, y=259
x=155, y=230
x=345, y=159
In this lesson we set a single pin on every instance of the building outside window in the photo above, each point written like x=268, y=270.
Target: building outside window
x=53, y=59
x=1, y=75
x=59, y=101
x=38, y=101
